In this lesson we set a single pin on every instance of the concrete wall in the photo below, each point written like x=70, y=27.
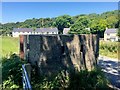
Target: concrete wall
x=53, y=53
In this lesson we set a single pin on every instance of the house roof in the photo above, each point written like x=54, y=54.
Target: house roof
x=37, y=30
x=66, y=30
x=111, y=30
x=46, y=30
x=22, y=30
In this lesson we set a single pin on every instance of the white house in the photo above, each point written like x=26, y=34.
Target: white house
x=29, y=31
x=46, y=31
x=66, y=30
x=111, y=34
x=21, y=31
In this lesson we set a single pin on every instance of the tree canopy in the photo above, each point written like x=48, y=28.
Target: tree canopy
x=62, y=22
x=79, y=27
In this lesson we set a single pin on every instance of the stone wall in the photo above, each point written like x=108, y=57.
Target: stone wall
x=53, y=53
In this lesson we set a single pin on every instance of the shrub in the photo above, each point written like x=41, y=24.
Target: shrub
x=61, y=80
x=83, y=80
x=12, y=72
x=88, y=80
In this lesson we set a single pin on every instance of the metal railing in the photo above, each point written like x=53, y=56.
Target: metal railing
x=26, y=79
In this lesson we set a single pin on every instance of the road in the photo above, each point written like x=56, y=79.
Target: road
x=111, y=68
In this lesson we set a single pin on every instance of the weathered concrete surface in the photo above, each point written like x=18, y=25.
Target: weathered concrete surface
x=53, y=53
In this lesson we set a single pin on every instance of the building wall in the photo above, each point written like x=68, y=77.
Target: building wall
x=16, y=34
x=53, y=53
x=108, y=36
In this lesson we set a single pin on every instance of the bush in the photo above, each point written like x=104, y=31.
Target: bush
x=88, y=80
x=83, y=80
x=61, y=80
x=12, y=72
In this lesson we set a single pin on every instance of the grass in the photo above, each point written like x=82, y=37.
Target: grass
x=9, y=45
x=108, y=54
x=109, y=49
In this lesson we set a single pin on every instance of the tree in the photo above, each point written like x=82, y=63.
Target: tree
x=112, y=21
x=79, y=26
x=63, y=22
x=98, y=26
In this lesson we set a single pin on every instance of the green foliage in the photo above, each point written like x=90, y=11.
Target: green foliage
x=63, y=22
x=112, y=21
x=83, y=80
x=9, y=84
x=109, y=49
x=88, y=80
x=12, y=72
x=79, y=26
x=109, y=46
x=61, y=80
x=112, y=18
x=98, y=27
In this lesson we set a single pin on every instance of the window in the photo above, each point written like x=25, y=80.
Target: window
x=108, y=34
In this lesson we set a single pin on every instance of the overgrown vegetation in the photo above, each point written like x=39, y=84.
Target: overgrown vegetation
x=12, y=72
x=109, y=49
x=83, y=80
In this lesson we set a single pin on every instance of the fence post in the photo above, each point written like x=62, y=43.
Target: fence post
x=26, y=75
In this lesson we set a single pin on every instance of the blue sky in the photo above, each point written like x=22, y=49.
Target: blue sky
x=20, y=11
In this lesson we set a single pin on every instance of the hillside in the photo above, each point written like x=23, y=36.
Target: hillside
x=96, y=22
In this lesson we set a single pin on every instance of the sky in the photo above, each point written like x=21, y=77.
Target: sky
x=20, y=11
